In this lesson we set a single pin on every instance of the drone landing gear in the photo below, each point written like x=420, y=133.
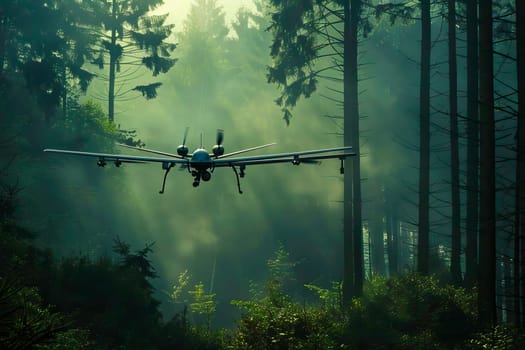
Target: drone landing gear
x=237, y=176
x=167, y=167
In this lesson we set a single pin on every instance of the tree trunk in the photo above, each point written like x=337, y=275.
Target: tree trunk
x=519, y=234
x=487, y=222
x=424, y=142
x=455, y=264
x=471, y=259
x=392, y=229
x=353, y=240
x=3, y=35
x=112, y=66
x=348, y=223
x=377, y=248
x=354, y=134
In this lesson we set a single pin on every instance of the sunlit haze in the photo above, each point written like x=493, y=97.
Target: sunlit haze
x=178, y=9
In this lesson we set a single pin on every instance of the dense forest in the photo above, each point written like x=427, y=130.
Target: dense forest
x=420, y=244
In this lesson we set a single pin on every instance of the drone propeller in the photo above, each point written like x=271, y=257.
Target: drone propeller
x=185, y=135
x=220, y=136
x=218, y=149
x=182, y=150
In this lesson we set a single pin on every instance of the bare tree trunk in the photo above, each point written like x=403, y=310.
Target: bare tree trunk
x=112, y=66
x=348, y=224
x=471, y=259
x=508, y=300
x=455, y=264
x=377, y=248
x=392, y=229
x=355, y=13
x=519, y=234
x=424, y=142
x=3, y=35
x=487, y=223
x=353, y=233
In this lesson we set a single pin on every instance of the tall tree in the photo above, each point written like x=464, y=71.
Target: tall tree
x=47, y=52
x=377, y=213
x=296, y=26
x=487, y=222
x=424, y=142
x=472, y=185
x=127, y=31
x=392, y=230
x=455, y=263
x=76, y=21
x=352, y=193
x=204, y=38
x=519, y=231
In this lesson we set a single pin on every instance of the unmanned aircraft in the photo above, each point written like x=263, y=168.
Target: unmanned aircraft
x=201, y=163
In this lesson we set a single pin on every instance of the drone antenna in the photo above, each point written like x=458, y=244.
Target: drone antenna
x=201, y=139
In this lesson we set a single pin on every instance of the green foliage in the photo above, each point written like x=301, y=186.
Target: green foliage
x=88, y=125
x=25, y=321
x=77, y=339
x=404, y=12
x=295, y=48
x=501, y=337
x=330, y=299
x=203, y=303
x=114, y=301
x=8, y=197
x=149, y=91
x=406, y=312
x=179, y=334
x=125, y=30
x=51, y=54
x=179, y=288
x=280, y=268
x=275, y=322
x=411, y=311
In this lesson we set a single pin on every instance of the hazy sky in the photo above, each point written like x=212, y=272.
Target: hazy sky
x=178, y=9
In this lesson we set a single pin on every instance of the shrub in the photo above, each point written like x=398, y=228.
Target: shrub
x=410, y=312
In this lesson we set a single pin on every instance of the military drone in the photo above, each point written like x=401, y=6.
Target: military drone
x=201, y=163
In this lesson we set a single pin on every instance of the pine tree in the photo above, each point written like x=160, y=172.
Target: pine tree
x=127, y=31
x=296, y=26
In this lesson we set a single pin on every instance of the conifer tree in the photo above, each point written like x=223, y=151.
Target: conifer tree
x=305, y=32
x=132, y=37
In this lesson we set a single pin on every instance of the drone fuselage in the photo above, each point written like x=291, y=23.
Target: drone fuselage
x=200, y=160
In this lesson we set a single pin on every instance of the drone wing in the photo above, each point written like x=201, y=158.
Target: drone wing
x=246, y=150
x=151, y=151
x=118, y=158
x=293, y=157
